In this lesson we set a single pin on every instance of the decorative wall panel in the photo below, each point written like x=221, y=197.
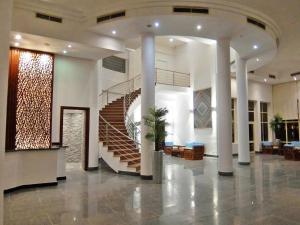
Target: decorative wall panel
x=202, y=109
x=33, y=100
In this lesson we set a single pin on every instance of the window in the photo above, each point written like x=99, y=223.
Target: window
x=264, y=121
x=251, y=105
x=233, y=119
x=292, y=130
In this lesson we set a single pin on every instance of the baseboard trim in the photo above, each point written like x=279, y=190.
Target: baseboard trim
x=129, y=173
x=259, y=152
x=30, y=186
x=227, y=174
x=61, y=178
x=92, y=168
x=208, y=155
x=244, y=163
x=216, y=156
x=148, y=177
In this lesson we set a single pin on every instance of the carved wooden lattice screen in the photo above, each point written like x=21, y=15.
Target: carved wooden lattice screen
x=29, y=108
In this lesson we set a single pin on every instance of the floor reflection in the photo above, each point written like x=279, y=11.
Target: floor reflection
x=267, y=192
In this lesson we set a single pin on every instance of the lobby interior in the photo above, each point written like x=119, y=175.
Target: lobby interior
x=78, y=78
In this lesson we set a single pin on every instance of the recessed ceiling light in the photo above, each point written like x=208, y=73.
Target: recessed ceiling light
x=295, y=78
x=199, y=27
x=65, y=52
x=257, y=59
x=171, y=40
x=18, y=37
x=156, y=24
x=114, y=32
x=255, y=47
x=69, y=46
x=265, y=80
x=17, y=44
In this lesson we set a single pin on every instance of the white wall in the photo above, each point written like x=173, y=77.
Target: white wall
x=5, y=18
x=76, y=84
x=285, y=99
x=198, y=59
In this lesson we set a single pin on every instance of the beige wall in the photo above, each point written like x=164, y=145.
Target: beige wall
x=285, y=99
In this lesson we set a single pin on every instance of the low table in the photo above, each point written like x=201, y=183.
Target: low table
x=178, y=150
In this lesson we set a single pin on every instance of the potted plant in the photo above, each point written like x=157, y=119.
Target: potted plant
x=275, y=124
x=156, y=123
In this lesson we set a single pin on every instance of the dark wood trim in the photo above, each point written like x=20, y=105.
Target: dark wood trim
x=129, y=173
x=30, y=186
x=227, y=174
x=10, y=141
x=93, y=168
x=244, y=163
x=61, y=178
x=87, y=130
x=144, y=177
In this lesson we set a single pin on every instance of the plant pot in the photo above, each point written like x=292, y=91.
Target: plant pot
x=157, y=167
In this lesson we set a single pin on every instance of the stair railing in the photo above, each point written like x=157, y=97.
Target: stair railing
x=125, y=90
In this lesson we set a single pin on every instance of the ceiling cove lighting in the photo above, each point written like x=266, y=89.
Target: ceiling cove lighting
x=156, y=24
x=199, y=27
x=255, y=47
x=18, y=37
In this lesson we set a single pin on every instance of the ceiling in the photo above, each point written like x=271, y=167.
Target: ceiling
x=284, y=13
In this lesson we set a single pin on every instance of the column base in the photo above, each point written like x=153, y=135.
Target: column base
x=147, y=177
x=244, y=163
x=228, y=174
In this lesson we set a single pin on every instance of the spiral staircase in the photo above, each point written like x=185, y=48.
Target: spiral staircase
x=118, y=134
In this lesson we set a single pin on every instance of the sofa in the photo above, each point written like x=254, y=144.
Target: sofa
x=194, y=151
x=292, y=151
x=267, y=147
x=168, y=147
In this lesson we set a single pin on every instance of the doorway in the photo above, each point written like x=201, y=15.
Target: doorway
x=74, y=133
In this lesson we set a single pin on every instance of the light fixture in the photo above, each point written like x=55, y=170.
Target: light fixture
x=255, y=47
x=199, y=27
x=65, y=52
x=114, y=32
x=257, y=59
x=17, y=44
x=69, y=46
x=295, y=78
x=156, y=24
x=265, y=80
x=171, y=40
x=18, y=37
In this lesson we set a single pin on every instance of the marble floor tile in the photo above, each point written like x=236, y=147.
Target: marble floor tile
x=192, y=193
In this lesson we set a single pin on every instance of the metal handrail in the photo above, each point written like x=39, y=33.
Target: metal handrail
x=114, y=128
x=128, y=87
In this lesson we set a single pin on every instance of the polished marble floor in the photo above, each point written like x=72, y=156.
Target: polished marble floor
x=265, y=193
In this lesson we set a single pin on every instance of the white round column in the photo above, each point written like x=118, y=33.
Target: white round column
x=147, y=100
x=224, y=118
x=5, y=26
x=242, y=111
